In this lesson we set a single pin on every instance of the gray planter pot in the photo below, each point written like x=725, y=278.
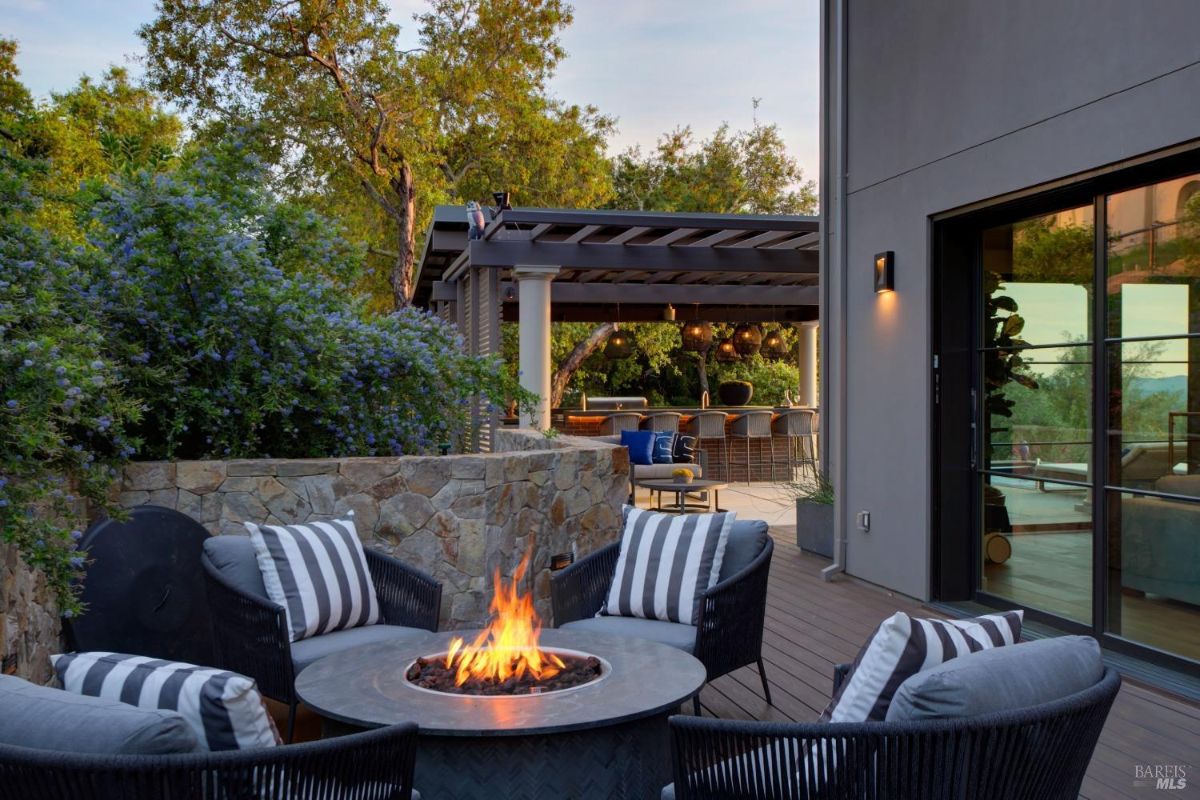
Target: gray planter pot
x=814, y=528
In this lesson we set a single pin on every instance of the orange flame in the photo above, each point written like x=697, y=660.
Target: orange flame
x=508, y=647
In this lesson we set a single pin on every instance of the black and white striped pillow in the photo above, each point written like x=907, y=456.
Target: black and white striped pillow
x=666, y=563
x=903, y=646
x=318, y=573
x=224, y=709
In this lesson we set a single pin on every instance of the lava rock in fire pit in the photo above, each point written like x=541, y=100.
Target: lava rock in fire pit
x=432, y=673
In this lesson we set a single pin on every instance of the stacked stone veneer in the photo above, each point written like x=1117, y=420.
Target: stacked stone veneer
x=29, y=623
x=459, y=517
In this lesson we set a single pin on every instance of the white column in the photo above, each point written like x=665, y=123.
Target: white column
x=808, y=363
x=533, y=302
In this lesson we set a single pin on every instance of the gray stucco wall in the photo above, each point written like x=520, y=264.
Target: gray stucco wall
x=952, y=102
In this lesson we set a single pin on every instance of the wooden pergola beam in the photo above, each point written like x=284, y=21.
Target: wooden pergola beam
x=661, y=294
x=675, y=259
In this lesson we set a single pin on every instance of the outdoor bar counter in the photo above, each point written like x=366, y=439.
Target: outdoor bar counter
x=578, y=422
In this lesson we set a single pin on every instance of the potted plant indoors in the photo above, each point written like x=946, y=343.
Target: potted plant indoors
x=814, y=515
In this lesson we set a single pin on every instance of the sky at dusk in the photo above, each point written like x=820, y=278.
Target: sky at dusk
x=654, y=64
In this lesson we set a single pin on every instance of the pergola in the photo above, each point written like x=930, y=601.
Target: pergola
x=623, y=266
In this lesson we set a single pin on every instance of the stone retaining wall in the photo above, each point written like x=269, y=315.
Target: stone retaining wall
x=29, y=624
x=458, y=517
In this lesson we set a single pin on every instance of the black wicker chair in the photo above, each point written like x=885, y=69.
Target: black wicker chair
x=250, y=633
x=730, y=627
x=376, y=765
x=1037, y=753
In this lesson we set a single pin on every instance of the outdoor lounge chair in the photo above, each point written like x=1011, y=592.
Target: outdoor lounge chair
x=377, y=763
x=250, y=632
x=728, y=633
x=1037, y=753
x=60, y=745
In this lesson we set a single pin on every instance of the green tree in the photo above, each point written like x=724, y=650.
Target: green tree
x=747, y=172
x=349, y=113
x=95, y=131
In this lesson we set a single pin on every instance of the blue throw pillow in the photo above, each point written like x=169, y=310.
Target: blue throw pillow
x=664, y=447
x=641, y=446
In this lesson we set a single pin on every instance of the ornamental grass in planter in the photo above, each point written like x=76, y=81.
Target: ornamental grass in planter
x=814, y=515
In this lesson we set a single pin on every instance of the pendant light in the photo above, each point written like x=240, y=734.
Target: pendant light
x=697, y=335
x=618, y=346
x=773, y=345
x=726, y=352
x=747, y=339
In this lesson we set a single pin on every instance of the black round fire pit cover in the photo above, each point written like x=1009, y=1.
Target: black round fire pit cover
x=144, y=589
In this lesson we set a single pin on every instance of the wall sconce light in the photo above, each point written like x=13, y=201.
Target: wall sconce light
x=885, y=277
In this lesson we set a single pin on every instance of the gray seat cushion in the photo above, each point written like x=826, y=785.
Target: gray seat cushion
x=234, y=558
x=747, y=538
x=42, y=718
x=1000, y=679
x=306, y=651
x=661, y=472
x=674, y=634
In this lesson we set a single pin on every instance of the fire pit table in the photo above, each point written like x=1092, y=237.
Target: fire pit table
x=605, y=739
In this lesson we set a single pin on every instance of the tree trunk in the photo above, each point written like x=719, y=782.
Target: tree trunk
x=702, y=369
x=401, y=277
x=575, y=359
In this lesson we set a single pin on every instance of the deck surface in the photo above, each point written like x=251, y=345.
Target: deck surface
x=812, y=625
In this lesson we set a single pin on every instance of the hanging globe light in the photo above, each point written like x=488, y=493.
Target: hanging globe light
x=697, y=335
x=747, y=339
x=618, y=347
x=726, y=352
x=773, y=345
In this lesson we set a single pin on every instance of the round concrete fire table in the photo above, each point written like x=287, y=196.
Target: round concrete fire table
x=607, y=738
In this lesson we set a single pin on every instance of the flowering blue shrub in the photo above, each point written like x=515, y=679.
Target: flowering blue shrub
x=238, y=347
x=63, y=412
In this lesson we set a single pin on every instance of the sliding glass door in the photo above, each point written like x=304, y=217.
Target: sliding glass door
x=1086, y=407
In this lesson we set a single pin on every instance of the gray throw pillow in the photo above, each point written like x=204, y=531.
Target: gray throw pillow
x=43, y=718
x=1001, y=679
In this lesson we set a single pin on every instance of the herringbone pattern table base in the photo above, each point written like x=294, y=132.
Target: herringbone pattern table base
x=627, y=761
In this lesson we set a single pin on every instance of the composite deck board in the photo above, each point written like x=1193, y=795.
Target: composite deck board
x=812, y=625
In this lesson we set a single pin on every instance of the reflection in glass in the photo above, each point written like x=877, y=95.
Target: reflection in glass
x=1152, y=433
x=1037, y=544
x=1038, y=407
x=1037, y=276
x=1153, y=259
x=1154, y=567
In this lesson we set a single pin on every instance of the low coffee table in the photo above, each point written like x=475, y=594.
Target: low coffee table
x=681, y=490
x=607, y=738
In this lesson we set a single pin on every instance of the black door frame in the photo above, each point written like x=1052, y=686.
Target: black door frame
x=957, y=307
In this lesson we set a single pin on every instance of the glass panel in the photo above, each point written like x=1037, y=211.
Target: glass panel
x=1154, y=259
x=1037, y=276
x=1154, y=411
x=1154, y=568
x=1037, y=544
x=1038, y=409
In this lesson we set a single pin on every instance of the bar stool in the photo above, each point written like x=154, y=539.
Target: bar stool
x=799, y=425
x=753, y=425
x=661, y=421
x=710, y=425
x=620, y=421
